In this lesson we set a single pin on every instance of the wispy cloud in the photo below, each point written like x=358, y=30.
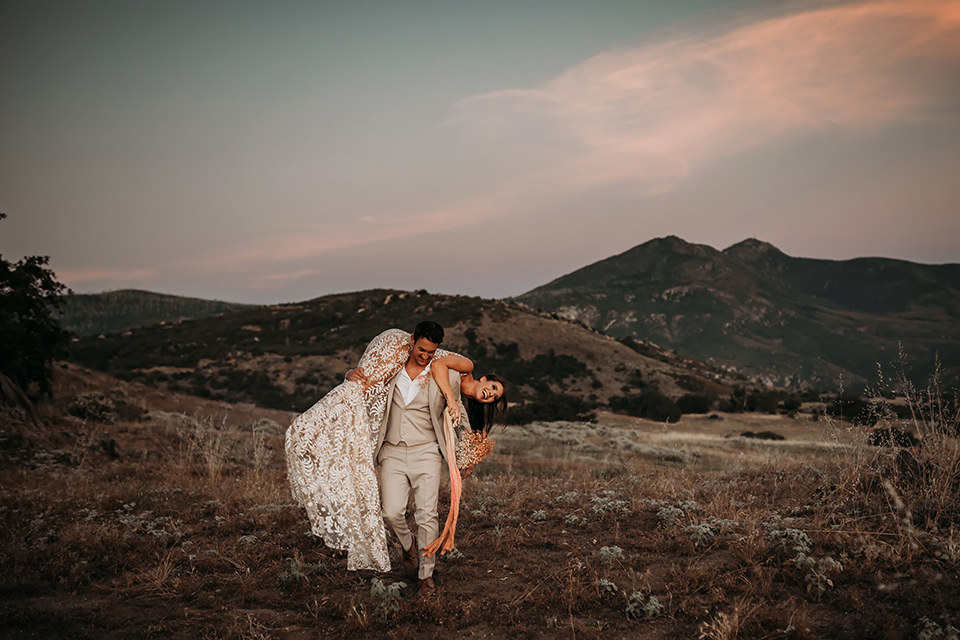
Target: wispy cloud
x=644, y=117
x=82, y=277
x=272, y=262
x=271, y=281
x=653, y=114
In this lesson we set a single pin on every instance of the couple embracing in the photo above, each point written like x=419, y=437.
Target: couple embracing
x=387, y=419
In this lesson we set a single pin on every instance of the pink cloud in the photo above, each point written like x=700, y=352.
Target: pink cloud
x=647, y=117
x=272, y=281
x=274, y=262
x=653, y=114
x=283, y=249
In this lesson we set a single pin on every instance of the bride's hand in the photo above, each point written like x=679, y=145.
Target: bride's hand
x=357, y=375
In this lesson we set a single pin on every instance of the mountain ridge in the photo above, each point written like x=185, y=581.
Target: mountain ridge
x=111, y=311
x=750, y=310
x=757, y=310
x=288, y=356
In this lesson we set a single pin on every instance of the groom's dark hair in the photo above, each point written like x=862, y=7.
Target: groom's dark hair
x=430, y=330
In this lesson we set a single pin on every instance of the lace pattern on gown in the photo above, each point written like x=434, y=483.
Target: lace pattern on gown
x=329, y=451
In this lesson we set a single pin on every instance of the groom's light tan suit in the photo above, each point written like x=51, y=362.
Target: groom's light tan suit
x=410, y=454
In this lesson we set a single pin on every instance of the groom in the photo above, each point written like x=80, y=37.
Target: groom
x=410, y=451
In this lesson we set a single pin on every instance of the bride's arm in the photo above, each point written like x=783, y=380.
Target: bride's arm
x=382, y=358
x=440, y=368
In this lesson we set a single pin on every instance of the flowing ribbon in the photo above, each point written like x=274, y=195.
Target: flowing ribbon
x=445, y=542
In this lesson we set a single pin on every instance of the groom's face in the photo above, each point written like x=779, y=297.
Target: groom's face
x=423, y=351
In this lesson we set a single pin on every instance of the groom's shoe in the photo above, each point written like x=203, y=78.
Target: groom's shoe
x=427, y=588
x=410, y=561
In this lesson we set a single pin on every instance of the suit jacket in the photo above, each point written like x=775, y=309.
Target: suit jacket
x=437, y=405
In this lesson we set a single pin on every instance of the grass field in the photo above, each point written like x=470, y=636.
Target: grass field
x=178, y=523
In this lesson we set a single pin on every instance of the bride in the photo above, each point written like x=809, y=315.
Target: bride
x=329, y=449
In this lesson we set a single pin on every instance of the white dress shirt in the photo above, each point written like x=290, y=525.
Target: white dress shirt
x=410, y=388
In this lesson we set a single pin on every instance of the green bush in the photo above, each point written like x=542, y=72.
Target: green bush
x=93, y=406
x=649, y=404
x=30, y=332
x=853, y=408
x=763, y=402
x=551, y=407
x=694, y=403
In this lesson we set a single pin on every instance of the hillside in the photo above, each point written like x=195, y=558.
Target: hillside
x=753, y=309
x=91, y=314
x=171, y=516
x=287, y=356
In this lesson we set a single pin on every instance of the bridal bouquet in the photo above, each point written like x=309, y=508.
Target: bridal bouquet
x=472, y=448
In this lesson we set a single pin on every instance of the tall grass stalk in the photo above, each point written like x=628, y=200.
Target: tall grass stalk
x=918, y=485
x=205, y=447
x=260, y=453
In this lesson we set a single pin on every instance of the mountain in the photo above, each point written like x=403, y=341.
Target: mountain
x=91, y=314
x=288, y=356
x=753, y=309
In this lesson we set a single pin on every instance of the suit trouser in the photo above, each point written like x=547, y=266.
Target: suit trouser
x=402, y=467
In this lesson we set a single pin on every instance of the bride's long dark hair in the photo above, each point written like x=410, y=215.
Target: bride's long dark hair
x=483, y=416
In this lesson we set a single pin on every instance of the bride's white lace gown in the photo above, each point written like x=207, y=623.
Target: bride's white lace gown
x=329, y=450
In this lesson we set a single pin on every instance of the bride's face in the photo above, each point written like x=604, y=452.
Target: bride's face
x=487, y=391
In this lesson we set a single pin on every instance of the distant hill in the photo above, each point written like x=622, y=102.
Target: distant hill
x=758, y=311
x=91, y=314
x=288, y=356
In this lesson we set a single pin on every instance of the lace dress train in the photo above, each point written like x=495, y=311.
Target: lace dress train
x=330, y=465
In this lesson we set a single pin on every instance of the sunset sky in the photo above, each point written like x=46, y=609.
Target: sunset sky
x=278, y=151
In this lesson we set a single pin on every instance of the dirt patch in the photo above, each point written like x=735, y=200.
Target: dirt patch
x=553, y=541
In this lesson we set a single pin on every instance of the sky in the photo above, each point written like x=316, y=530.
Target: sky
x=276, y=152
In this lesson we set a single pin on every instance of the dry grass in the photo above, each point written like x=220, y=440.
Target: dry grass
x=625, y=527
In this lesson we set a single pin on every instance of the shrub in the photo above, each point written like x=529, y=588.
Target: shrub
x=853, y=408
x=694, y=403
x=540, y=373
x=792, y=403
x=388, y=596
x=609, y=554
x=763, y=435
x=639, y=606
x=892, y=436
x=933, y=631
x=606, y=586
x=650, y=404
x=551, y=407
x=763, y=402
x=296, y=573
x=30, y=332
x=93, y=406
x=736, y=402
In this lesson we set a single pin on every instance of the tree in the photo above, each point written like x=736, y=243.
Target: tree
x=30, y=332
x=648, y=404
x=695, y=403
